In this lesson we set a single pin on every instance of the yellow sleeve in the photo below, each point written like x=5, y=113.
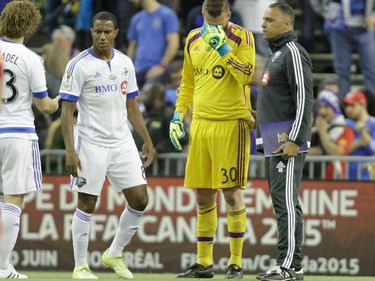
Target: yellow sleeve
x=241, y=61
x=186, y=89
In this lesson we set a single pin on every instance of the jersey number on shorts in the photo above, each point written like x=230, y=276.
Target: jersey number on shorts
x=229, y=175
x=10, y=84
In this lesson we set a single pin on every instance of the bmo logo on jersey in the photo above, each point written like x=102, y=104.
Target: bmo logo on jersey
x=106, y=88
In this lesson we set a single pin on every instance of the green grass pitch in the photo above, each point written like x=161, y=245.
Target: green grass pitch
x=59, y=276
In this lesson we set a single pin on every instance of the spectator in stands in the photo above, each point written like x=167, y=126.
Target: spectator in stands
x=309, y=20
x=63, y=11
x=174, y=4
x=350, y=26
x=83, y=24
x=153, y=41
x=157, y=115
x=56, y=55
x=330, y=84
x=125, y=11
x=175, y=77
x=330, y=135
x=363, y=126
x=256, y=9
x=171, y=91
x=370, y=101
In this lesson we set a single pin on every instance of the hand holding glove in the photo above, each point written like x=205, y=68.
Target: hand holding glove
x=176, y=130
x=214, y=35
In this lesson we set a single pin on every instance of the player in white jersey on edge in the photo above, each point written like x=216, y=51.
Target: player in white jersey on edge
x=20, y=169
x=101, y=81
x=1, y=78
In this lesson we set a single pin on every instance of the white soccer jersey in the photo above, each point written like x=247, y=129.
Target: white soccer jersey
x=100, y=88
x=24, y=76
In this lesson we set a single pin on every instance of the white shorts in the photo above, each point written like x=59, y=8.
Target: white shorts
x=122, y=166
x=20, y=169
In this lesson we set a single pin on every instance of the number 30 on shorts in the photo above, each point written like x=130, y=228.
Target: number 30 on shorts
x=229, y=175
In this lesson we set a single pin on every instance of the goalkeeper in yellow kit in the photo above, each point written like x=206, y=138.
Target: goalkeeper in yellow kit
x=218, y=67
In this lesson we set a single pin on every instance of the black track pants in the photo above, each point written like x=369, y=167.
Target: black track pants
x=284, y=179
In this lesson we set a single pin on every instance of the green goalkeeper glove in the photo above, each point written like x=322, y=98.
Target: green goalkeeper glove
x=214, y=35
x=176, y=129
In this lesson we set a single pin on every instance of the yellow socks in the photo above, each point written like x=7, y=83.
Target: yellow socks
x=206, y=229
x=236, y=229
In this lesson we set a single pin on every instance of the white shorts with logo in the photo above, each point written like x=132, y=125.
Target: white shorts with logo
x=122, y=166
x=20, y=169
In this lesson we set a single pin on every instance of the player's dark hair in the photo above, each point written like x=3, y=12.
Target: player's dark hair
x=105, y=16
x=19, y=19
x=286, y=10
x=215, y=7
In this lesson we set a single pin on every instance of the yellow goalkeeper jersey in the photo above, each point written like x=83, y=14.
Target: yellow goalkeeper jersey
x=219, y=87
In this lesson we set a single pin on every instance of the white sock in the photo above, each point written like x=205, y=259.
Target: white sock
x=128, y=226
x=10, y=222
x=80, y=236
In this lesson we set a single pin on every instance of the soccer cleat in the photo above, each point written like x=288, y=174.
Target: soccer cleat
x=198, y=271
x=234, y=272
x=11, y=273
x=83, y=272
x=118, y=264
x=276, y=269
x=284, y=274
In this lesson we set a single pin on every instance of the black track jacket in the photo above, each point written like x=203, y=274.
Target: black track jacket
x=287, y=89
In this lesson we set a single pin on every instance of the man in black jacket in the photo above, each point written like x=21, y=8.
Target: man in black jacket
x=284, y=112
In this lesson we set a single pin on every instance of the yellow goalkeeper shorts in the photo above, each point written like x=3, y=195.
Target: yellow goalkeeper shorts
x=218, y=154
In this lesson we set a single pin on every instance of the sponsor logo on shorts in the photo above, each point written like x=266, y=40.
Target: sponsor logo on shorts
x=80, y=182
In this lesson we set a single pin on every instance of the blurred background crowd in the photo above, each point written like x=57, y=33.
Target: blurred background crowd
x=339, y=36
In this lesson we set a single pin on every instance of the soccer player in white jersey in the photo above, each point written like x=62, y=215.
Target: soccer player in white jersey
x=20, y=170
x=101, y=82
